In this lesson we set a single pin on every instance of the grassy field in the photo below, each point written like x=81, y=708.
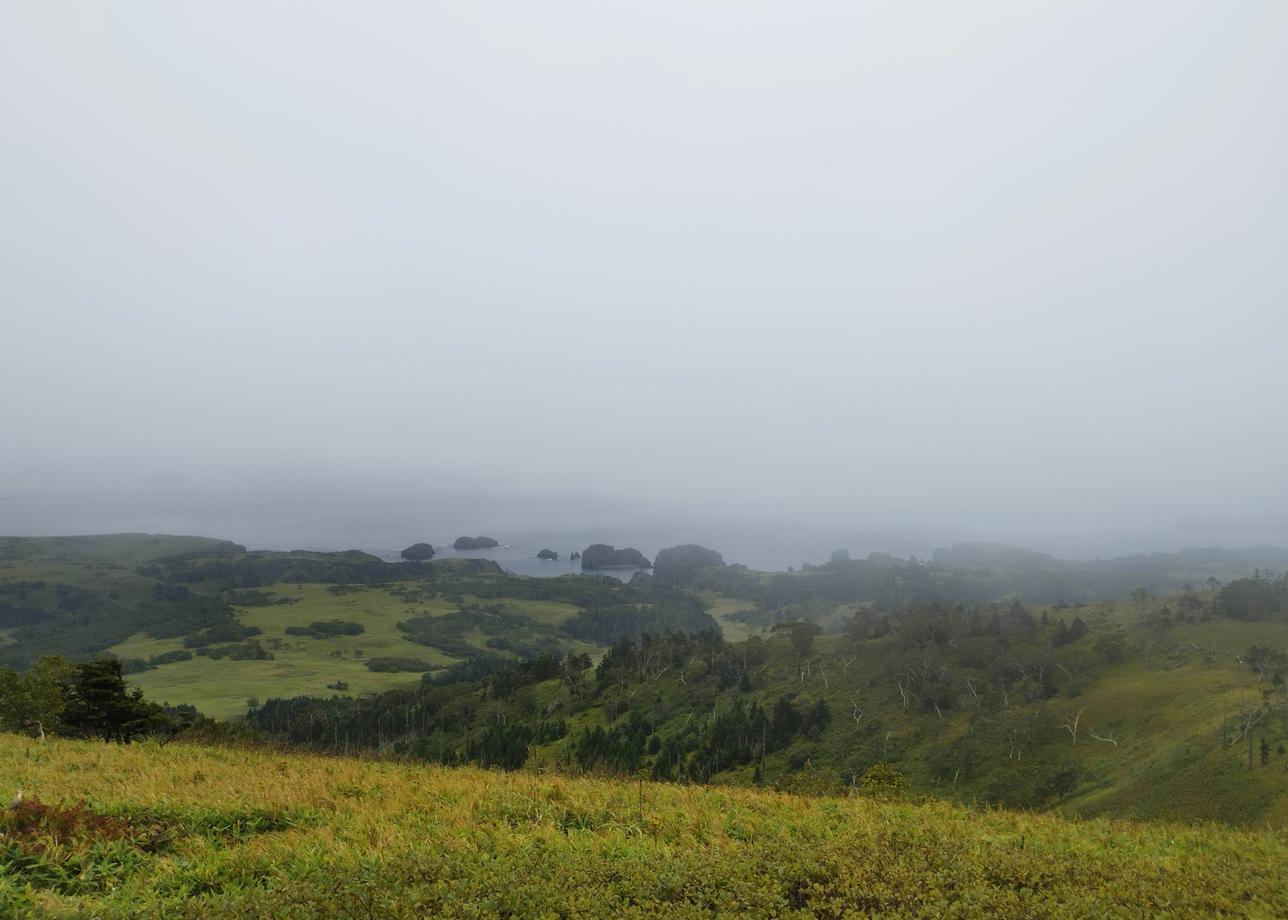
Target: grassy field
x=1166, y=718
x=720, y=607
x=185, y=831
x=304, y=666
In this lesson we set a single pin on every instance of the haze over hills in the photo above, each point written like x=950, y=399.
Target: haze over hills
x=659, y=460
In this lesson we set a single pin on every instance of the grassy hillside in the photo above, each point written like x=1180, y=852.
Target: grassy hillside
x=121, y=550
x=1134, y=718
x=185, y=831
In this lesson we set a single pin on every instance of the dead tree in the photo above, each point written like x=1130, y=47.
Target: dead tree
x=902, y=693
x=1071, y=721
x=856, y=711
x=1108, y=736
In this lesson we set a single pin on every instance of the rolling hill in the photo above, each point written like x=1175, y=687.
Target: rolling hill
x=145, y=831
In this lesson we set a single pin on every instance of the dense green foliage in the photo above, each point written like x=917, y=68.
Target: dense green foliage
x=1261, y=597
x=1000, y=704
x=982, y=574
x=89, y=700
x=398, y=663
x=320, y=629
x=1160, y=705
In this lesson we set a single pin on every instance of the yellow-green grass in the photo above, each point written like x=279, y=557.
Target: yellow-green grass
x=261, y=834
x=301, y=665
x=720, y=607
x=1167, y=721
x=304, y=666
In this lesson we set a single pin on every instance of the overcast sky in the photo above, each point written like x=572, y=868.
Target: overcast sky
x=992, y=269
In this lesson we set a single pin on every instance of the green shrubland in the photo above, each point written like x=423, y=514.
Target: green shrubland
x=187, y=831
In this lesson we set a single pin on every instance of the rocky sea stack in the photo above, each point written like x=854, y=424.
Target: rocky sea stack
x=474, y=543
x=418, y=552
x=675, y=564
x=603, y=556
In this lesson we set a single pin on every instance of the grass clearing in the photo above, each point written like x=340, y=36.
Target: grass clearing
x=304, y=665
x=720, y=607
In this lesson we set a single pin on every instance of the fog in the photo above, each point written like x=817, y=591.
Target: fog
x=901, y=274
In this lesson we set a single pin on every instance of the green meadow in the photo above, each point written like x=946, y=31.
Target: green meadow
x=304, y=665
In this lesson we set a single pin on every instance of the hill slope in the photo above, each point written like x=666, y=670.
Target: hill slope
x=185, y=831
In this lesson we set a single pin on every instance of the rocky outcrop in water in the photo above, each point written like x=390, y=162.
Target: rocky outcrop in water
x=418, y=552
x=475, y=543
x=674, y=564
x=603, y=556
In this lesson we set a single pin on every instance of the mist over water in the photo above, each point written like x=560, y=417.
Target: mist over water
x=340, y=519
x=776, y=278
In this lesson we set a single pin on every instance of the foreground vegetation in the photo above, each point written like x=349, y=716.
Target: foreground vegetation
x=187, y=831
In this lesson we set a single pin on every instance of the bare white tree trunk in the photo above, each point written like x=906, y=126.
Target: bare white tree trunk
x=856, y=711
x=1071, y=721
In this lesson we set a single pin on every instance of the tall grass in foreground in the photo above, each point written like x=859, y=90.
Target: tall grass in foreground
x=188, y=831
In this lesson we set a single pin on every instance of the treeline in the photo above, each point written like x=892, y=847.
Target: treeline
x=80, y=623
x=1261, y=597
x=975, y=575
x=676, y=613
x=494, y=721
x=87, y=700
x=438, y=721
x=235, y=571
x=689, y=706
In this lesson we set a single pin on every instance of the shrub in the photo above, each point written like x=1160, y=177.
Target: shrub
x=393, y=663
x=882, y=781
x=810, y=780
x=325, y=629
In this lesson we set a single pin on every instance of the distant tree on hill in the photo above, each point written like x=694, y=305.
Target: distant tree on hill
x=801, y=635
x=1258, y=598
x=325, y=629
x=392, y=663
